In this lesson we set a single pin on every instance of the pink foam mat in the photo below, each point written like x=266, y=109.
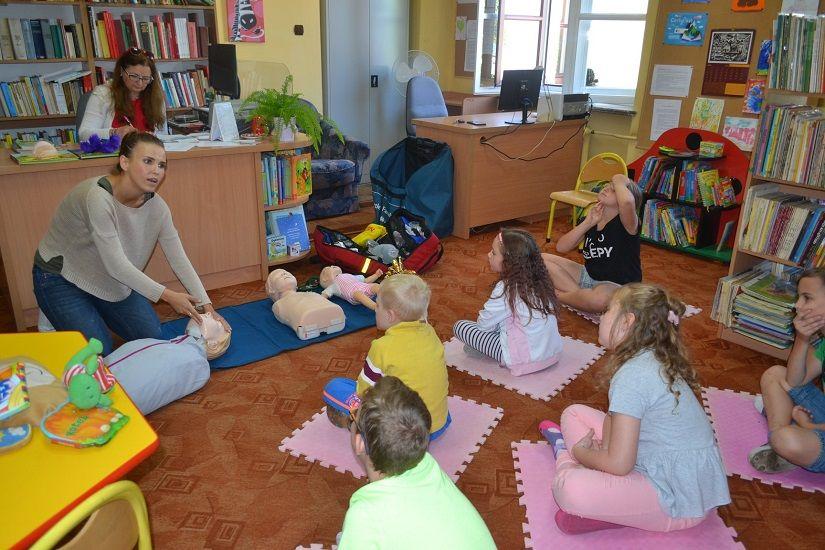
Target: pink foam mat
x=690, y=311
x=535, y=469
x=576, y=357
x=319, y=441
x=739, y=429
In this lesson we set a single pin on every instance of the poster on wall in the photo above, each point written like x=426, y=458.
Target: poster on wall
x=686, y=28
x=731, y=47
x=245, y=20
x=741, y=131
x=707, y=113
x=747, y=5
x=753, y=96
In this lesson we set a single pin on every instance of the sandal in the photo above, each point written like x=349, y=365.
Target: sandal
x=765, y=459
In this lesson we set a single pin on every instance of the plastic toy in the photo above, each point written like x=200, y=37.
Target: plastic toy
x=355, y=289
x=384, y=253
x=373, y=232
x=87, y=379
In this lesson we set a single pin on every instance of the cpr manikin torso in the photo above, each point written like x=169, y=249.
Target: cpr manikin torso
x=309, y=314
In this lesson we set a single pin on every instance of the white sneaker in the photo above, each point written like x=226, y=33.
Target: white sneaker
x=759, y=404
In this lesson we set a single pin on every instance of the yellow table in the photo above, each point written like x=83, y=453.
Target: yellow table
x=43, y=480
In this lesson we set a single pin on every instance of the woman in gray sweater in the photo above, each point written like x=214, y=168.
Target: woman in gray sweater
x=88, y=270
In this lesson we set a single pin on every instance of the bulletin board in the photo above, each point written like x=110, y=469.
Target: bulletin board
x=720, y=16
x=470, y=11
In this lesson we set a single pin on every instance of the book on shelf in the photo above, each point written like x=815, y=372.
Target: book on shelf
x=285, y=176
x=42, y=95
x=798, y=59
x=784, y=225
x=674, y=224
x=791, y=144
x=23, y=141
x=156, y=2
x=167, y=35
x=24, y=39
x=759, y=303
x=288, y=226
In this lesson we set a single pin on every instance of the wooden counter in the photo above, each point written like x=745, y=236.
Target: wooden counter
x=216, y=202
x=487, y=186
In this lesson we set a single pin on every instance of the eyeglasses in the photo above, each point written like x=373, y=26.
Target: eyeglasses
x=138, y=79
x=139, y=51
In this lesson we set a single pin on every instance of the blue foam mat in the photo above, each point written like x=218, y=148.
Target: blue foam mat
x=257, y=334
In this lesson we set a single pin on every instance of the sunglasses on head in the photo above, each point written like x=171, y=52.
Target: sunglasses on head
x=139, y=51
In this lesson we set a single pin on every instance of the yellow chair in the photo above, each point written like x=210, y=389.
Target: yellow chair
x=117, y=519
x=602, y=167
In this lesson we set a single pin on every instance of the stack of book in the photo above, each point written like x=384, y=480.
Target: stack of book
x=674, y=224
x=40, y=39
x=285, y=177
x=40, y=95
x=790, y=227
x=798, y=53
x=658, y=175
x=57, y=136
x=166, y=36
x=759, y=303
x=791, y=144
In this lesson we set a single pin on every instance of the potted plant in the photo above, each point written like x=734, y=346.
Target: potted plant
x=286, y=111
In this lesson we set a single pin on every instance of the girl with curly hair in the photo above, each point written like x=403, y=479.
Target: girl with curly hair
x=517, y=326
x=651, y=462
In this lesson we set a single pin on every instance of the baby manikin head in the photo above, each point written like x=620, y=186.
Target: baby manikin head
x=278, y=282
x=214, y=335
x=328, y=275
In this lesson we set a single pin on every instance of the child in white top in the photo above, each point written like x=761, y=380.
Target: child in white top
x=651, y=462
x=518, y=325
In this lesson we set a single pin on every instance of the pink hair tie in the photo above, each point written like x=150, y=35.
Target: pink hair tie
x=673, y=318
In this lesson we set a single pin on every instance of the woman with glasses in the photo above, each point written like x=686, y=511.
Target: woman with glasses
x=131, y=101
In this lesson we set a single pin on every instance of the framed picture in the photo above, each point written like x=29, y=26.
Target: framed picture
x=245, y=20
x=731, y=47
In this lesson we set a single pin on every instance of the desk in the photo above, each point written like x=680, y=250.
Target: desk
x=216, y=202
x=489, y=188
x=43, y=480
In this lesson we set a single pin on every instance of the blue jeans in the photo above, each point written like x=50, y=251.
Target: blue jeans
x=69, y=308
x=810, y=397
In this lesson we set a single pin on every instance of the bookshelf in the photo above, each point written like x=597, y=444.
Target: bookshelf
x=744, y=258
x=73, y=18
x=710, y=221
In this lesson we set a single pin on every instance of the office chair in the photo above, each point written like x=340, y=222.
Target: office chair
x=478, y=105
x=117, y=519
x=424, y=100
x=600, y=168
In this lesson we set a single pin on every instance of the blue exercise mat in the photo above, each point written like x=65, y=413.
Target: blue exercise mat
x=257, y=334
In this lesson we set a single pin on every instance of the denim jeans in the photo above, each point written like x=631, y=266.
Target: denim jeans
x=69, y=308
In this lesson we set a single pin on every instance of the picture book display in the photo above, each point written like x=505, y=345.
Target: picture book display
x=14, y=395
x=285, y=228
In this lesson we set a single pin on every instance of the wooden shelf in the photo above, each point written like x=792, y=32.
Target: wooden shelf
x=767, y=257
x=792, y=184
x=144, y=6
x=289, y=259
x=794, y=92
x=27, y=61
x=157, y=60
x=42, y=3
x=288, y=204
x=731, y=335
x=9, y=123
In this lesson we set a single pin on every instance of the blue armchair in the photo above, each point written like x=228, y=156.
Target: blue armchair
x=336, y=174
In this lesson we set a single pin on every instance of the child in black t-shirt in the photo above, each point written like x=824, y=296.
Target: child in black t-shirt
x=610, y=236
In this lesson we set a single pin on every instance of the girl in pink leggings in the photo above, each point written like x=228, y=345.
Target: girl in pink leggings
x=651, y=462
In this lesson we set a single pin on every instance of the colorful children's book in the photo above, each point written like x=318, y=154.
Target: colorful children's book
x=301, y=166
x=75, y=427
x=14, y=395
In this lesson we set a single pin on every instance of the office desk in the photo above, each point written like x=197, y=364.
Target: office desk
x=216, y=202
x=43, y=481
x=489, y=188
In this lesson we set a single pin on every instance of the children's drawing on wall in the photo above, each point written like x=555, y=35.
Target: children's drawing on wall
x=245, y=20
x=747, y=5
x=686, y=28
x=731, y=46
x=763, y=64
x=741, y=131
x=706, y=114
x=753, y=96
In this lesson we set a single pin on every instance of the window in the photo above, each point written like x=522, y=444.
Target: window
x=591, y=46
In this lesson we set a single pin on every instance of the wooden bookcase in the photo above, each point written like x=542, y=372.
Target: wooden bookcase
x=742, y=260
x=733, y=164
x=80, y=9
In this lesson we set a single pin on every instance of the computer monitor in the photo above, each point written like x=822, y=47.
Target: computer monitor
x=520, y=91
x=223, y=70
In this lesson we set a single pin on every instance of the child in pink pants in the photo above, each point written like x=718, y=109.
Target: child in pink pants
x=651, y=462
